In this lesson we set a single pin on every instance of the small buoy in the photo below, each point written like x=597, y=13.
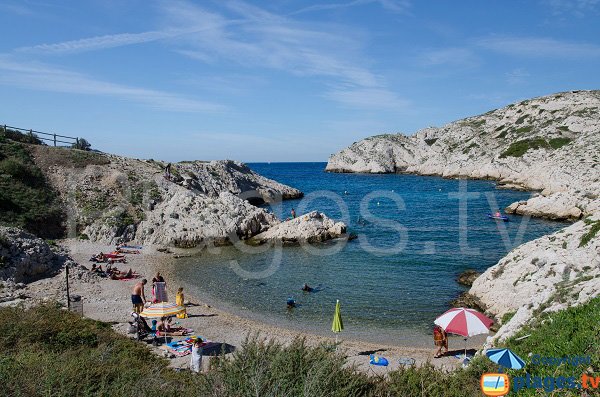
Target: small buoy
x=345, y=192
x=378, y=203
x=392, y=190
x=439, y=190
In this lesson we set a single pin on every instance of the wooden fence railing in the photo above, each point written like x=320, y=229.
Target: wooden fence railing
x=44, y=136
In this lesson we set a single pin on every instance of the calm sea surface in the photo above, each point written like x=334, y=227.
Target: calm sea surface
x=393, y=281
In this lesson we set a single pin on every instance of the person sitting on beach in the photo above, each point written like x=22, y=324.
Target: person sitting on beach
x=306, y=288
x=165, y=329
x=440, y=339
x=100, y=257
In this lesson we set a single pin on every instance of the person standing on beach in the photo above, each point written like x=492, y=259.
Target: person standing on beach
x=138, y=298
x=440, y=339
x=293, y=213
x=180, y=300
x=168, y=171
x=196, y=361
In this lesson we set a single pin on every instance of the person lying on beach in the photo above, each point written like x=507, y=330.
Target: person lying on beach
x=117, y=275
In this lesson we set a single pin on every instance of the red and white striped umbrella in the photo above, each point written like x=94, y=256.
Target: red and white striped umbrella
x=465, y=322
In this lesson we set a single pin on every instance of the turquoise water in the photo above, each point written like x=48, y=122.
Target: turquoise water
x=390, y=291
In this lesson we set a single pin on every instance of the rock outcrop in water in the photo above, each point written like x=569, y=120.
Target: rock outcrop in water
x=549, y=144
x=112, y=198
x=310, y=228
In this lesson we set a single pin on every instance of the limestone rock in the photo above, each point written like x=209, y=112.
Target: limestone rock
x=550, y=144
x=546, y=274
x=24, y=257
x=312, y=227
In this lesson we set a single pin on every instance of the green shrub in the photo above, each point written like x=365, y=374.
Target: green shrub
x=431, y=141
x=571, y=332
x=17, y=136
x=47, y=351
x=524, y=130
x=26, y=198
x=519, y=148
x=557, y=143
x=590, y=234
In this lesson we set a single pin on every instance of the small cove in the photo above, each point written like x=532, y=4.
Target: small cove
x=386, y=297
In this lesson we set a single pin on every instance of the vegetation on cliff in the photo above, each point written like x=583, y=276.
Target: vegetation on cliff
x=26, y=198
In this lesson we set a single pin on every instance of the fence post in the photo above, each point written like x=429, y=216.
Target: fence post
x=5, y=128
x=54, y=140
x=77, y=143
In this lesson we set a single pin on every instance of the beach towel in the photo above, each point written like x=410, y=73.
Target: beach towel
x=160, y=292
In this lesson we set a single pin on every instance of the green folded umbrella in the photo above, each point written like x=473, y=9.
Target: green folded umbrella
x=337, y=325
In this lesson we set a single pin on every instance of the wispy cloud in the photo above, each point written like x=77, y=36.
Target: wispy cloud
x=267, y=40
x=368, y=98
x=100, y=42
x=517, y=76
x=397, y=6
x=37, y=76
x=579, y=8
x=540, y=47
x=449, y=56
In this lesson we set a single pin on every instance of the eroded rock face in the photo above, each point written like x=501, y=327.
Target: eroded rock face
x=24, y=257
x=186, y=220
x=114, y=199
x=311, y=228
x=550, y=144
x=547, y=274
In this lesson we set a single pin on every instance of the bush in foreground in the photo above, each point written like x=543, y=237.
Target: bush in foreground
x=47, y=351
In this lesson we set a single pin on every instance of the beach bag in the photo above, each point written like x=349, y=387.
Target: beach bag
x=378, y=360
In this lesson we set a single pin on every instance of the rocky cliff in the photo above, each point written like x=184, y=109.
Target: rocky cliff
x=549, y=144
x=547, y=274
x=111, y=198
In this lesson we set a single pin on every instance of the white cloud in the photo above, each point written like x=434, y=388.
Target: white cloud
x=517, y=76
x=396, y=6
x=368, y=98
x=38, y=76
x=100, y=42
x=450, y=56
x=579, y=8
x=540, y=47
x=260, y=39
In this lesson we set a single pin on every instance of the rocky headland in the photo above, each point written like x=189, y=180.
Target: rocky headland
x=114, y=199
x=549, y=145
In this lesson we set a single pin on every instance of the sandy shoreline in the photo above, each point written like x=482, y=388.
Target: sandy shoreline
x=109, y=300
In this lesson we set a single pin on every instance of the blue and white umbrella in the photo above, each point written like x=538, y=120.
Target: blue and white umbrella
x=505, y=358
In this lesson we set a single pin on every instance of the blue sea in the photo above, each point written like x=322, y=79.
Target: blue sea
x=416, y=234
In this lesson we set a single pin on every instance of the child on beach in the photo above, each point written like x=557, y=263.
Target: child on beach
x=196, y=361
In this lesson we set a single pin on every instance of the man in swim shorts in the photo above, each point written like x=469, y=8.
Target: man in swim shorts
x=137, y=296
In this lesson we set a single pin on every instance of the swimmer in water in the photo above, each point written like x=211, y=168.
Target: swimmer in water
x=306, y=288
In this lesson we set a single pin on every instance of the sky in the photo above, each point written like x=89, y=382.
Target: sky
x=285, y=80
